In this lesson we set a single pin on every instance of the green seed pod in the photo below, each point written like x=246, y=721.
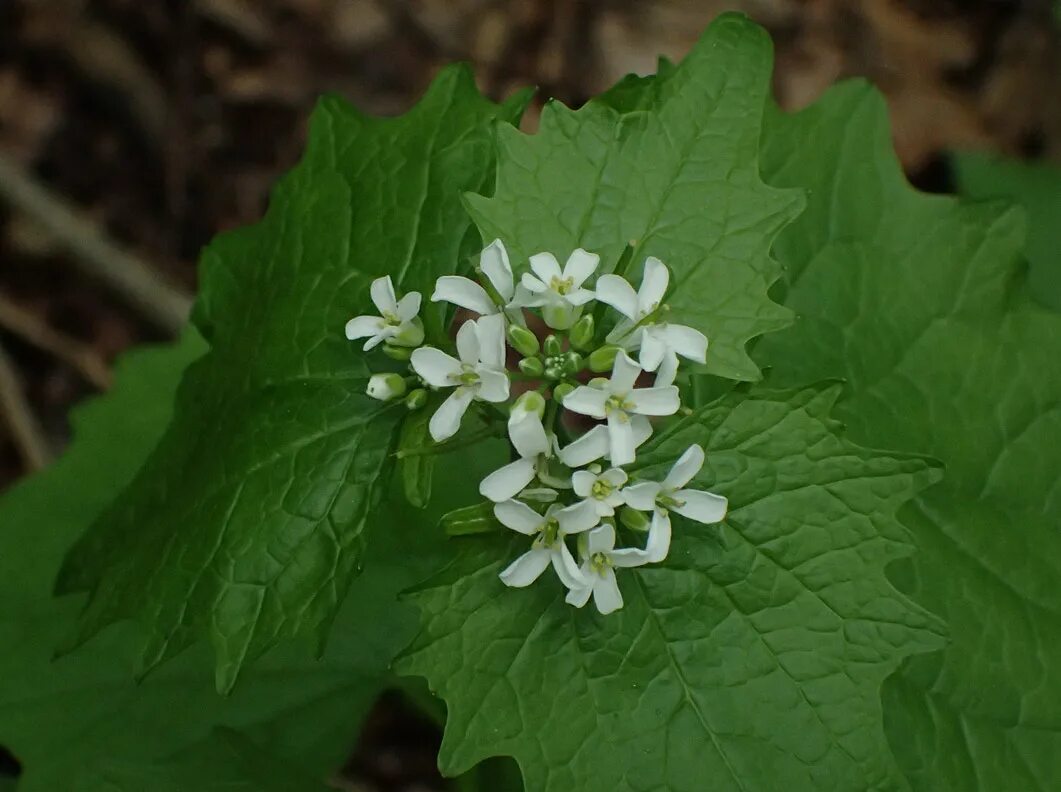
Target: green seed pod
x=573, y=362
x=633, y=519
x=582, y=332
x=397, y=352
x=562, y=391
x=601, y=360
x=416, y=399
x=552, y=346
x=531, y=366
x=523, y=340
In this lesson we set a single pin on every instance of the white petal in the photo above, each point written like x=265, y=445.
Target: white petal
x=620, y=295
x=468, y=343
x=364, y=327
x=628, y=557
x=642, y=429
x=586, y=401
x=606, y=595
x=493, y=384
x=687, y=466
x=658, y=544
x=580, y=265
x=653, y=347
x=435, y=366
x=566, y=568
x=507, y=482
x=600, y=540
x=653, y=285
x=527, y=433
x=579, y=597
x=624, y=373
x=579, y=297
x=582, y=481
x=518, y=516
x=447, y=418
x=494, y=263
x=409, y=306
x=378, y=339
x=578, y=518
x=642, y=495
x=620, y=439
x=704, y=507
x=532, y=284
x=686, y=341
x=592, y=445
x=463, y=292
x=382, y=292
x=667, y=370
x=615, y=477
x=655, y=401
x=545, y=266
x=603, y=507
x=491, y=331
x=525, y=299
x=527, y=568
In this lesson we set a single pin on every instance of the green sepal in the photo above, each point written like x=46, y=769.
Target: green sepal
x=523, y=340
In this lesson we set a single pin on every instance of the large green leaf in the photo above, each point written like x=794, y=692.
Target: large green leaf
x=920, y=304
x=679, y=179
x=751, y=660
x=1035, y=187
x=246, y=523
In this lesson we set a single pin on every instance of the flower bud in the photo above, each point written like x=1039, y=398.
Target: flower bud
x=561, y=315
x=531, y=366
x=582, y=332
x=397, y=352
x=603, y=359
x=416, y=399
x=552, y=346
x=633, y=519
x=410, y=334
x=572, y=362
x=523, y=340
x=531, y=401
x=554, y=372
x=385, y=386
x=561, y=391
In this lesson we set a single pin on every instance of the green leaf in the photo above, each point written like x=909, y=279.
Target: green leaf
x=920, y=304
x=680, y=177
x=246, y=523
x=1036, y=188
x=751, y=660
x=77, y=720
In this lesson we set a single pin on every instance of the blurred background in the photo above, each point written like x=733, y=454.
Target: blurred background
x=132, y=131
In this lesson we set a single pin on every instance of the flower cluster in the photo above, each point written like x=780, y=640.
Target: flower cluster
x=572, y=435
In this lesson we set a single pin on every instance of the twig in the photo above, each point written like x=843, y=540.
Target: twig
x=25, y=430
x=160, y=302
x=80, y=356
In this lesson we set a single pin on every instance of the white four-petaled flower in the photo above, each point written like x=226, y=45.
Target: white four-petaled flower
x=598, y=570
x=531, y=442
x=617, y=400
x=479, y=373
x=601, y=490
x=397, y=323
x=493, y=262
x=669, y=495
x=548, y=546
x=559, y=292
x=661, y=342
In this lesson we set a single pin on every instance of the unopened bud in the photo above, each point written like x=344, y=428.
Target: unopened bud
x=562, y=391
x=554, y=372
x=582, y=333
x=385, y=386
x=552, y=346
x=416, y=399
x=531, y=401
x=573, y=362
x=523, y=340
x=410, y=334
x=601, y=360
x=633, y=519
x=531, y=366
x=397, y=352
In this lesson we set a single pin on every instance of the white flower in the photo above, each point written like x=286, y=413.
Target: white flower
x=532, y=444
x=595, y=443
x=398, y=322
x=385, y=386
x=662, y=497
x=560, y=293
x=598, y=570
x=493, y=262
x=618, y=401
x=601, y=490
x=479, y=373
x=548, y=545
x=660, y=342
